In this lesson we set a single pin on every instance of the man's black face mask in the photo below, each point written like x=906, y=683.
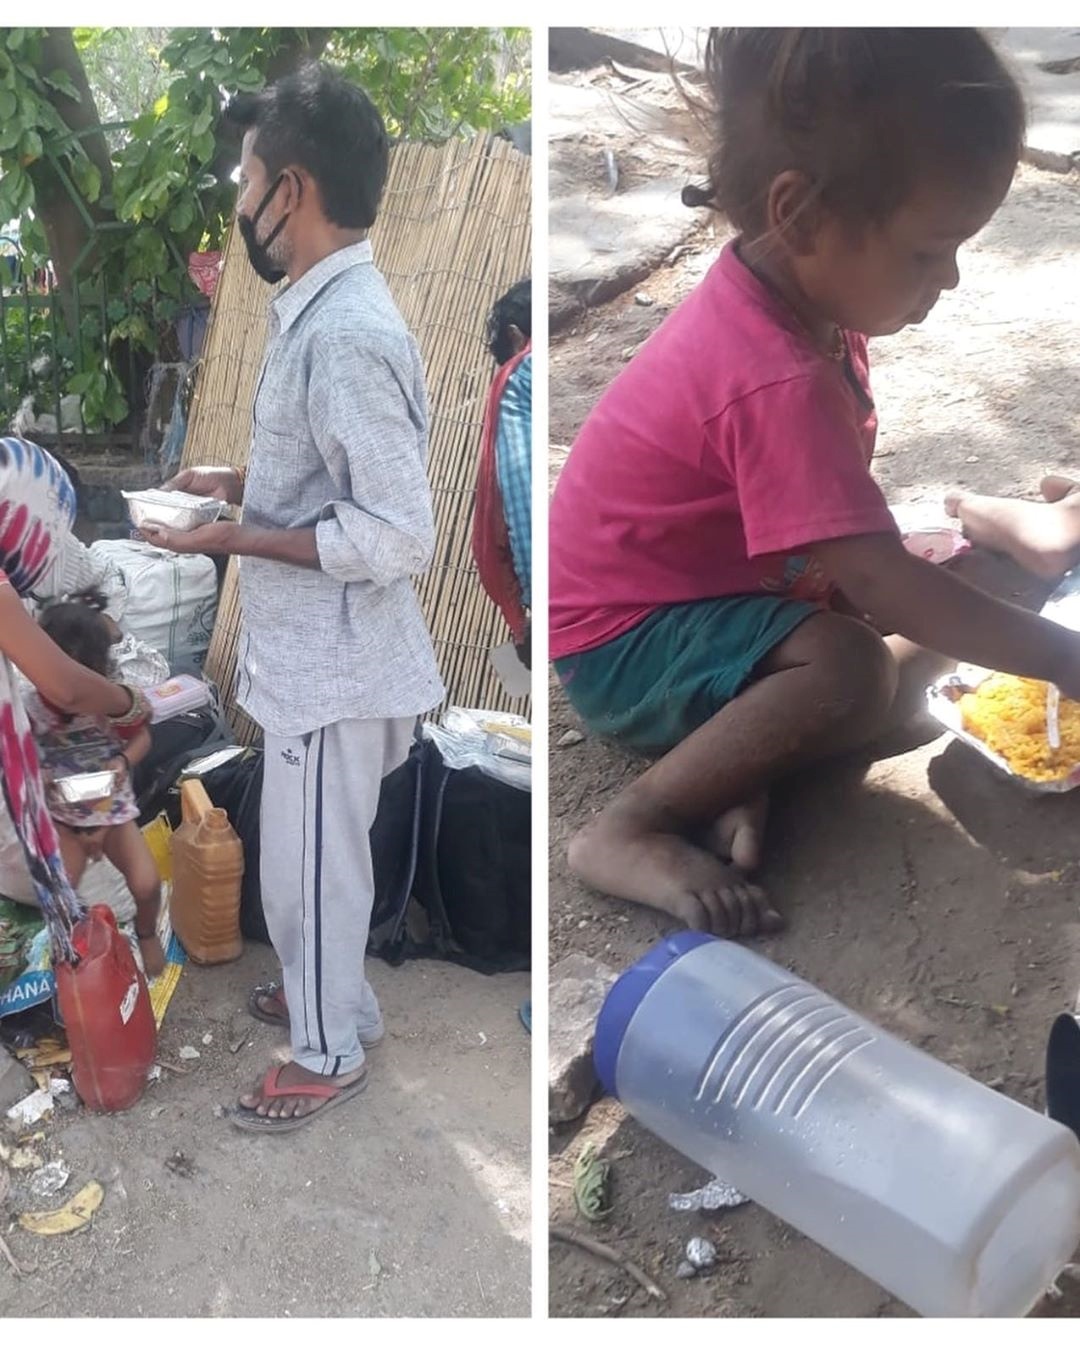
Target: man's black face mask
x=259, y=253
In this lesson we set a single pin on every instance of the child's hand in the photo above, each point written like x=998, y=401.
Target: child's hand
x=119, y=767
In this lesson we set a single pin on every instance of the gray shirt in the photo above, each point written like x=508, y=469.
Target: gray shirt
x=339, y=443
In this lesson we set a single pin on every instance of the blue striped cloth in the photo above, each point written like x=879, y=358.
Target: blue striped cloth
x=513, y=459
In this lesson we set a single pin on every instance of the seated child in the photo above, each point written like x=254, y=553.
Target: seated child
x=721, y=558
x=69, y=744
x=1043, y=537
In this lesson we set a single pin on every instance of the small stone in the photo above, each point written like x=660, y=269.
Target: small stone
x=701, y=1253
x=15, y=1080
x=207, y=1038
x=571, y=738
x=579, y=985
x=188, y=1053
x=219, y=1111
x=644, y=300
x=374, y=1266
x=685, y=1271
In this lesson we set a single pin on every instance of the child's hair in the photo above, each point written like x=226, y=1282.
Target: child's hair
x=78, y=626
x=866, y=113
x=513, y=309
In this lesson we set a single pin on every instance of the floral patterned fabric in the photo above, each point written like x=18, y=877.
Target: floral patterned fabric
x=37, y=508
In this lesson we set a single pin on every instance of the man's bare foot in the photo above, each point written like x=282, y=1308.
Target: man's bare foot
x=290, y=1106
x=153, y=956
x=670, y=874
x=1044, y=538
x=739, y=835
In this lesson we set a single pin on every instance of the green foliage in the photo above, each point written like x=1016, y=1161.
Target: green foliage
x=169, y=191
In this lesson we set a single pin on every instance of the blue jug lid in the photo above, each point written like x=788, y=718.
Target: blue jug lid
x=627, y=993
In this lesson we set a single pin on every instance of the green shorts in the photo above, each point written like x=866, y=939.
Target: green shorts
x=652, y=686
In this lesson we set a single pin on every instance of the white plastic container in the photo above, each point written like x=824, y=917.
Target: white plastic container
x=957, y=1200
x=176, y=697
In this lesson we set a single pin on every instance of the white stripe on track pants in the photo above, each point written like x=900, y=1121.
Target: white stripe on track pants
x=319, y=799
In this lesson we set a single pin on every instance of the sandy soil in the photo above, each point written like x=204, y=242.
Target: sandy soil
x=921, y=889
x=413, y=1200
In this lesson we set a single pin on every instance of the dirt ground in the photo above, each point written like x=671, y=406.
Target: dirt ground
x=411, y=1201
x=921, y=890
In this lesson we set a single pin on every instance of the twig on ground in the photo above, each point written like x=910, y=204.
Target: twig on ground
x=606, y=1253
x=19, y=1272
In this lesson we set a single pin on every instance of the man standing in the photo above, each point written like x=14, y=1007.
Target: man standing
x=502, y=522
x=335, y=660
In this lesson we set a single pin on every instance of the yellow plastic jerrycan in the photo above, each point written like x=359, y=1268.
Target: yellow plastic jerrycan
x=208, y=866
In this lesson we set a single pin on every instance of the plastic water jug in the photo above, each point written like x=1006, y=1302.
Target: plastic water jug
x=107, y=1015
x=957, y=1200
x=208, y=867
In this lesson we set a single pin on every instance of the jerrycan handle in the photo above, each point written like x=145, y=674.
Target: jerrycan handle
x=194, y=801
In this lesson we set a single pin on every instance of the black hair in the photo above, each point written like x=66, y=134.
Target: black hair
x=77, y=624
x=514, y=309
x=315, y=119
x=865, y=113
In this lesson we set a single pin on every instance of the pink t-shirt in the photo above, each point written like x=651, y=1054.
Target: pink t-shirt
x=728, y=444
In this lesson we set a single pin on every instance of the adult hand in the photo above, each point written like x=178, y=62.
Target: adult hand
x=217, y=483
x=211, y=539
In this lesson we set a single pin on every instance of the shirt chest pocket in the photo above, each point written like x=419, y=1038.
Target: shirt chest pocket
x=278, y=468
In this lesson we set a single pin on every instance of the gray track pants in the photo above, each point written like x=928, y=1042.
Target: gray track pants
x=319, y=798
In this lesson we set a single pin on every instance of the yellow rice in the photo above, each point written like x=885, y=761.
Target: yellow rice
x=1009, y=715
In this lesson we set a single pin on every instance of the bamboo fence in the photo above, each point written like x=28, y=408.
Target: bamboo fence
x=454, y=232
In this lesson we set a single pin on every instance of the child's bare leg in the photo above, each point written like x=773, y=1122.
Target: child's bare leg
x=73, y=853
x=824, y=690
x=126, y=847
x=1044, y=538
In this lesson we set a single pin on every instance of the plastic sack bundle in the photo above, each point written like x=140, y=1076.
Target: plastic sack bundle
x=500, y=745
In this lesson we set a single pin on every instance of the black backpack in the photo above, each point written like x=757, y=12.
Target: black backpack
x=452, y=844
x=175, y=744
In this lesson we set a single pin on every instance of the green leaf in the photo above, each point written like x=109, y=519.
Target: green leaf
x=61, y=81
x=80, y=383
x=30, y=147
x=8, y=104
x=203, y=121
x=15, y=38
x=182, y=216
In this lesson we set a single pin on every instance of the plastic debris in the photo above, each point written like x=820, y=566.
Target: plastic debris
x=701, y=1253
x=714, y=1195
x=154, y=1073
x=69, y=1218
x=48, y=1180
x=188, y=1053
x=31, y=1109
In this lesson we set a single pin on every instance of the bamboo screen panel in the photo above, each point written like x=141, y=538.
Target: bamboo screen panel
x=454, y=232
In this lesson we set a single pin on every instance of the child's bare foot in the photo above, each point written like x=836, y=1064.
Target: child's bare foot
x=670, y=874
x=1043, y=538
x=739, y=835
x=153, y=956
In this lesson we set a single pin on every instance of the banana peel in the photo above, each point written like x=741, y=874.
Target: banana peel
x=69, y=1218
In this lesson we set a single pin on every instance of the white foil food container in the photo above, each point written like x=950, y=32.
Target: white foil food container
x=1063, y=606
x=171, y=509
x=88, y=787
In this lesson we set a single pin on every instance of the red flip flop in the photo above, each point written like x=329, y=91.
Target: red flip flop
x=247, y=1118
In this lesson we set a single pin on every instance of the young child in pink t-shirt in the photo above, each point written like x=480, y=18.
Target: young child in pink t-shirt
x=724, y=568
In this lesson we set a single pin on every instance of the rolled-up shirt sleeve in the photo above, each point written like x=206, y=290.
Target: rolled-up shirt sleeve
x=369, y=422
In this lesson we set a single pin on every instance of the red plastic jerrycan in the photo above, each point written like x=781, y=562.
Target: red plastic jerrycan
x=106, y=1010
